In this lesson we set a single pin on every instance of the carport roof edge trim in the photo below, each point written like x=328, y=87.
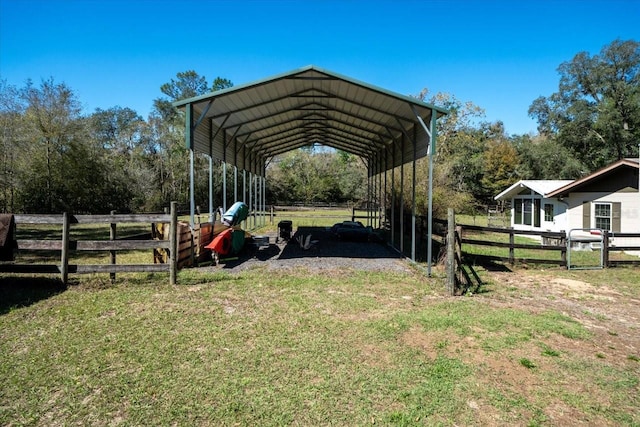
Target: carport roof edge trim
x=409, y=99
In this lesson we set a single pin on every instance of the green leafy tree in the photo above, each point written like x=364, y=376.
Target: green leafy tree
x=122, y=134
x=12, y=140
x=53, y=117
x=543, y=157
x=307, y=175
x=500, y=164
x=220, y=83
x=166, y=130
x=351, y=176
x=596, y=111
x=459, y=161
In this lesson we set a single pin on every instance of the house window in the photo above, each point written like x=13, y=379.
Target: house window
x=603, y=216
x=517, y=207
x=548, y=212
x=526, y=212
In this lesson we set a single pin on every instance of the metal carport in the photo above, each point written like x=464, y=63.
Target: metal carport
x=246, y=126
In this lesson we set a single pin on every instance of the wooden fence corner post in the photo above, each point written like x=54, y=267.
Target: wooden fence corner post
x=451, y=253
x=112, y=237
x=512, y=240
x=64, y=257
x=173, y=244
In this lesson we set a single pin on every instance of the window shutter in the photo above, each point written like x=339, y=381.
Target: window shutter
x=616, y=209
x=586, y=214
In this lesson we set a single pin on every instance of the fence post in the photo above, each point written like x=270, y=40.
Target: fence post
x=512, y=240
x=64, y=258
x=563, y=252
x=451, y=252
x=173, y=244
x=458, y=253
x=112, y=237
x=605, y=248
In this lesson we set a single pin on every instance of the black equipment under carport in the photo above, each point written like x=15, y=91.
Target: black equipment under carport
x=285, y=227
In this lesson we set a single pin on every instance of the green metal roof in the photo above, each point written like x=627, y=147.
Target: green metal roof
x=246, y=125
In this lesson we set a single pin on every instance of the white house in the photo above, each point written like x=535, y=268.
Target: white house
x=532, y=209
x=608, y=199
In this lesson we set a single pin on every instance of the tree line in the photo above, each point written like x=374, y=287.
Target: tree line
x=55, y=159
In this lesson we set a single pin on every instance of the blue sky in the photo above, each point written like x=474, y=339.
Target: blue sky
x=500, y=55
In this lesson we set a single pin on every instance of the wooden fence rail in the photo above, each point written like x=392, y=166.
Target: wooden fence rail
x=558, y=237
x=457, y=257
x=372, y=215
x=608, y=249
x=66, y=246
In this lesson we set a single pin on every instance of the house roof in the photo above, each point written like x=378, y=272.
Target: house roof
x=579, y=183
x=540, y=186
x=257, y=121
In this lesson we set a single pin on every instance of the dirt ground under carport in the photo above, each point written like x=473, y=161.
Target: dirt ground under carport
x=327, y=252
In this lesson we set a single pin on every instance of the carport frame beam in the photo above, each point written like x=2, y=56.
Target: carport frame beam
x=431, y=132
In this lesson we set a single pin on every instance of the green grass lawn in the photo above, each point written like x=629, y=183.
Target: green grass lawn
x=312, y=217
x=341, y=348
x=296, y=347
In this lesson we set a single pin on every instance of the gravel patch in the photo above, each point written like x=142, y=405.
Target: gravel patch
x=327, y=252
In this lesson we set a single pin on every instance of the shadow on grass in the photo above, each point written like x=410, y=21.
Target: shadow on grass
x=17, y=292
x=490, y=265
x=473, y=283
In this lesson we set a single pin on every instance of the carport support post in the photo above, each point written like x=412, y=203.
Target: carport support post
x=244, y=193
x=431, y=132
x=235, y=184
x=211, y=213
x=189, y=141
x=264, y=197
x=258, y=200
x=402, y=195
x=380, y=200
x=393, y=198
x=431, y=153
x=255, y=200
x=224, y=186
x=250, y=197
x=378, y=190
x=369, y=196
x=264, y=200
x=413, y=199
x=384, y=192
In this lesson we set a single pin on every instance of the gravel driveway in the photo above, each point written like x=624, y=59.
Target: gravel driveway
x=327, y=253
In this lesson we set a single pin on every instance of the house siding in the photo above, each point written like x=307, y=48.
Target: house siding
x=628, y=220
x=576, y=202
